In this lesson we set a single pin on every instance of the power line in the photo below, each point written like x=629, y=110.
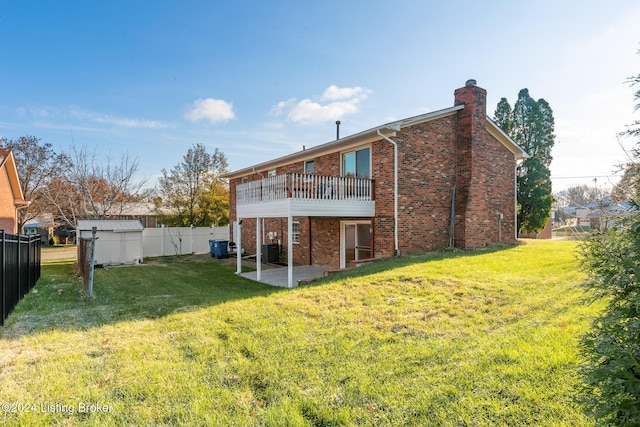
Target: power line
x=584, y=177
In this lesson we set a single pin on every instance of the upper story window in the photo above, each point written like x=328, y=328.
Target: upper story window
x=357, y=163
x=308, y=167
x=271, y=173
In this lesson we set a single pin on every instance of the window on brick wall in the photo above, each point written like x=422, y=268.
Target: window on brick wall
x=295, y=235
x=308, y=167
x=357, y=163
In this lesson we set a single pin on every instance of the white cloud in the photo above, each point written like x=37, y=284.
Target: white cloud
x=334, y=93
x=211, y=109
x=307, y=111
x=281, y=106
x=129, y=123
x=334, y=103
x=74, y=112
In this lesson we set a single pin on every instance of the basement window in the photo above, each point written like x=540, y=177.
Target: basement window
x=295, y=235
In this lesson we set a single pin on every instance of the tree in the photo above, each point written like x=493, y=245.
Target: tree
x=581, y=195
x=612, y=347
x=94, y=189
x=531, y=125
x=628, y=187
x=38, y=165
x=504, y=116
x=192, y=193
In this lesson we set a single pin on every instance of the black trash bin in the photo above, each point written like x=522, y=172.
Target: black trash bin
x=219, y=248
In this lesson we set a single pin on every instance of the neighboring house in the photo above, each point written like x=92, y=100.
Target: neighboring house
x=545, y=233
x=445, y=178
x=11, y=197
x=42, y=226
x=595, y=215
x=141, y=211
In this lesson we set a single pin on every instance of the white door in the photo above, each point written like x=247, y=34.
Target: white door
x=355, y=241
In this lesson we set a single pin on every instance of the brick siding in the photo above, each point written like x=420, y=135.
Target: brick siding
x=433, y=157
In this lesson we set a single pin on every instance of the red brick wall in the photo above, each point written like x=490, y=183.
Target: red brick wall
x=486, y=177
x=319, y=239
x=426, y=162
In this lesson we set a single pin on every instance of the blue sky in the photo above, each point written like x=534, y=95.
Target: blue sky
x=259, y=80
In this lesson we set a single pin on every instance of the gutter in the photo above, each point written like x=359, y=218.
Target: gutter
x=519, y=161
x=395, y=186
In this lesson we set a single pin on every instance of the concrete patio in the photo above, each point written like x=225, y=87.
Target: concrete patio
x=278, y=276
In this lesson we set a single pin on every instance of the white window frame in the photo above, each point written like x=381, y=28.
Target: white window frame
x=353, y=150
x=305, y=166
x=295, y=232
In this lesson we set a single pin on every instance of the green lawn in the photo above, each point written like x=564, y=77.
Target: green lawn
x=486, y=338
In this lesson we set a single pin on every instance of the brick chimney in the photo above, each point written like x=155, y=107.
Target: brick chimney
x=474, y=113
x=471, y=125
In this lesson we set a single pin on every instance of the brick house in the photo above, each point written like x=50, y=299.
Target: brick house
x=11, y=197
x=440, y=179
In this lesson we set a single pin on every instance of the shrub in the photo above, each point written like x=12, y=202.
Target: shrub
x=612, y=348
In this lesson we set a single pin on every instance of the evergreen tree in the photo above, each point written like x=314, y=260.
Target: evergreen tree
x=504, y=116
x=612, y=348
x=530, y=123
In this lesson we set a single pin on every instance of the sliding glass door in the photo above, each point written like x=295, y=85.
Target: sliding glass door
x=355, y=241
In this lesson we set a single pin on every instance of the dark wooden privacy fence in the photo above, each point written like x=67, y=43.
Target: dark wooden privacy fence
x=19, y=269
x=84, y=260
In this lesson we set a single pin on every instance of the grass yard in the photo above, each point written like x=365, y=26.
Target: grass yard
x=486, y=338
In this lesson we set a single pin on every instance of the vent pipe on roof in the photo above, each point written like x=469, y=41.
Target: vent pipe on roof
x=470, y=82
x=337, y=129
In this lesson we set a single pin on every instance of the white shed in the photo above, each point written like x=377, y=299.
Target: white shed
x=119, y=242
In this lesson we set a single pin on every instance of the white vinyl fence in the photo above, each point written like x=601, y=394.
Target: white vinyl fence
x=180, y=240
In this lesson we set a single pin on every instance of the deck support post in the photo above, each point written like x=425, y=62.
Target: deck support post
x=258, y=251
x=238, y=246
x=290, y=251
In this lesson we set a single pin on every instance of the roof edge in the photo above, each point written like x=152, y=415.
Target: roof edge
x=506, y=140
x=9, y=163
x=360, y=137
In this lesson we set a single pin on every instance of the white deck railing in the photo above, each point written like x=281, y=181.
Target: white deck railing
x=306, y=187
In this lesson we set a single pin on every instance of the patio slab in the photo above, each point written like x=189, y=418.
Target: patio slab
x=280, y=276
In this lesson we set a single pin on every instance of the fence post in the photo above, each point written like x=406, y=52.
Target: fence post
x=19, y=269
x=94, y=230
x=191, y=252
x=162, y=241
x=29, y=261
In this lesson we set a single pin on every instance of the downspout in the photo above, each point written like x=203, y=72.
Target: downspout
x=395, y=190
x=452, y=225
x=519, y=161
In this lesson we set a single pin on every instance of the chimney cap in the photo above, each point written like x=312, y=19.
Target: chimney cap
x=471, y=82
